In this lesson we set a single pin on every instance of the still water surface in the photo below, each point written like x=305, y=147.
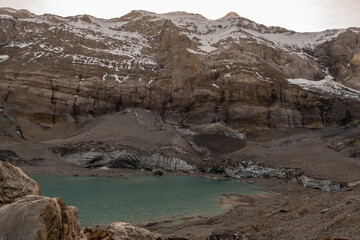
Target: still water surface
x=140, y=199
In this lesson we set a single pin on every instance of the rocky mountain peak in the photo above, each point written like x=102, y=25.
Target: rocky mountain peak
x=231, y=15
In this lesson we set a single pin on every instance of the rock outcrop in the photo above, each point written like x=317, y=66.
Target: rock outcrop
x=349, y=147
x=120, y=231
x=325, y=185
x=187, y=68
x=25, y=215
x=251, y=169
x=15, y=184
x=92, y=155
x=39, y=218
x=126, y=231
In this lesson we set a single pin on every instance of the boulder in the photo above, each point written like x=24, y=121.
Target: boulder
x=126, y=231
x=225, y=235
x=325, y=185
x=98, y=235
x=157, y=172
x=40, y=218
x=15, y=184
x=252, y=169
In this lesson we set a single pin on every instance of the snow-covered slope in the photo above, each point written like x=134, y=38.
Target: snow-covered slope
x=3, y=58
x=326, y=86
x=209, y=32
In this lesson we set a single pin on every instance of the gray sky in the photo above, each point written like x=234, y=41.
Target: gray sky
x=299, y=15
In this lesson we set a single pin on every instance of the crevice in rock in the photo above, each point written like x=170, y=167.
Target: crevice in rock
x=4, y=45
x=282, y=96
x=5, y=97
x=53, y=102
x=288, y=117
x=20, y=132
x=74, y=108
x=273, y=96
x=119, y=104
x=268, y=118
x=163, y=110
x=322, y=114
x=347, y=118
x=219, y=108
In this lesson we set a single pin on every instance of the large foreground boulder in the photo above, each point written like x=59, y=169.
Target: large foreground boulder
x=14, y=184
x=40, y=218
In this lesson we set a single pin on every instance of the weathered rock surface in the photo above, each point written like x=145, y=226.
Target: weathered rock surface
x=126, y=231
x=15, y=184
x=10, y=157
x=157, y=172
x=187, y=68
x=99, y=155
x=39, y=218
x=226, y=235
x=344, y=61
x=348, y=147
x=251, y=169
x=325, y=185
x=97, y=235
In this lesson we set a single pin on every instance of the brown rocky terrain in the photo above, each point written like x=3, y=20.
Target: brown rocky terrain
x=38, y=217
x=188, y=69
x=285, y=154
x=15, y=184
x=291, y=212
x=183, y=94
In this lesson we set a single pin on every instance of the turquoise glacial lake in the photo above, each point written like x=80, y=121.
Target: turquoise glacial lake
x=140, y=199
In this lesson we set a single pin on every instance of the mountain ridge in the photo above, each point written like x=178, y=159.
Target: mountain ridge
x=180, y=65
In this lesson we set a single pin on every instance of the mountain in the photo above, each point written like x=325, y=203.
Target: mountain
x=187, y=68
x=179, y=93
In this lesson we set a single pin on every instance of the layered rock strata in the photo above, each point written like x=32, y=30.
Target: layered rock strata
x=187, y=68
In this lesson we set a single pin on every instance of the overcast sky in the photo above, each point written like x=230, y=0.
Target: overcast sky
x=299, y=15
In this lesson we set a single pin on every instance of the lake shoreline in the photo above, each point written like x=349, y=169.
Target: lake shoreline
x=195, y=197
x=288, y=205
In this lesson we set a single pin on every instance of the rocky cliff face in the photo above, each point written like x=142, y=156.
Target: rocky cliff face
x=189, y=69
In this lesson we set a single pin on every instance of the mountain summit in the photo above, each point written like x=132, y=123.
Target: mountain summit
x=231, y=15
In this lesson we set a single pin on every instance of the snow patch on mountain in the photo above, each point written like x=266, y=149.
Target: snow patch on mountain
x=19, y=44
x=6, y=16
x=327, y=85
x=4, y=58
x=303, y=40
